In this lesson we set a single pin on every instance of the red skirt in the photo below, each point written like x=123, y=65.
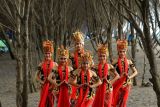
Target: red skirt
x=108, y=99
x=47, y=97
x=86, y=103
x=123, y=96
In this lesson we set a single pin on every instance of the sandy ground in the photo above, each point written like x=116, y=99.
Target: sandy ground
x=139, y=96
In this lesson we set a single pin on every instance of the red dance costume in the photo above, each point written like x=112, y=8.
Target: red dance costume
x=121, y=92
x=74, y=89
x=78, y=38
x=102, y=98
x=83, y=100
x=46, y=96
x=63, y=98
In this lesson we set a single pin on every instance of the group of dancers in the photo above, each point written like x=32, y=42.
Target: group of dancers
x=75, y=81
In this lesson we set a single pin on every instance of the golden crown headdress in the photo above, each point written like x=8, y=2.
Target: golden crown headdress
x=78, y=37
x=86, y=56
x=63, y=52
x=48, y=46
x=102, y=49
x=122, y=44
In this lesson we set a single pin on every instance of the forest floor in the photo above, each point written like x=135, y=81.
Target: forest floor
x=139, y=96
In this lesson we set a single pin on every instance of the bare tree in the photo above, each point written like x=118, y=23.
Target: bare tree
x=17, y=13
x=146, y=40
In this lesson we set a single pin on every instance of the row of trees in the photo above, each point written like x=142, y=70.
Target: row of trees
x=33, y=21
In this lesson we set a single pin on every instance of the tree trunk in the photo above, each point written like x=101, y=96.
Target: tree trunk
x=133, y=49
x=144, y=71
x=26, y=54
x=55, y=45
x=109, y=40
x=11, y=53
x=147, y=42
x=0, y=104
x=120, y=23
x=19, y=82
x=30, y=80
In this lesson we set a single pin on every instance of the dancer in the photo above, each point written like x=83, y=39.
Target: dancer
x=59, y=77
x=74, y=57
x=44, y=68
x=105, y=71
x=122, y=86
x=85, y=80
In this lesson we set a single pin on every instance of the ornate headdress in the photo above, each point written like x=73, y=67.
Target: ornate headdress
x=86, y=57
x=48, y=46
x=122, y=44
x=102, y=49
x=63, y=52
x=78, y=37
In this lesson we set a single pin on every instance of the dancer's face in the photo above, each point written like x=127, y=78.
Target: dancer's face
x=63, y=60
x=79, y=46
x=122, y=53
x=85, y=65
x=102, y=58
x=48, y=55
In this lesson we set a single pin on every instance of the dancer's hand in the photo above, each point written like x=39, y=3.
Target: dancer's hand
x=81, y=85
x=90, y=86
x=86, y=84
x=105, y=80
x=124, y=74
x=41, y=82
x=66, y=82
x=60, y=84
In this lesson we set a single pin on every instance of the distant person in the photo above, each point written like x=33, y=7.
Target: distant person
x=44, y=69
x=10, y=34
x=130, y=38
x=108, y=76
x=122, y=86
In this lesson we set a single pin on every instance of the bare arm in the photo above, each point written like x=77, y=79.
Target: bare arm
x=52, y=79
x=38, y=77
x=73, y=78
x=134, y=70
x=38, y=73
x=73, y=81
x=97, y=80
x=113, y=73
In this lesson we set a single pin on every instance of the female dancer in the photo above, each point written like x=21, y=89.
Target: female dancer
x=59, y=77
x=121, y=87
x=74, y=57
x=85, y=79
x=44, y=68
x=104, y=70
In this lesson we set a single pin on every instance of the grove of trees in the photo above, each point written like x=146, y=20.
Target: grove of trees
x=33, y=21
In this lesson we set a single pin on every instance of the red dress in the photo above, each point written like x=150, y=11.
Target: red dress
x=121, y=92
x=46, y=96
x=63, y=98
x=84, y=99
x=75, y=62
x=106, y=97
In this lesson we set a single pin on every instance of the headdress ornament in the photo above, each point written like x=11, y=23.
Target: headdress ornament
x=122, y=44
x=78, y=37
x=102, y=49
x=48, y=46
x=86, y=56
x=63, y=52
